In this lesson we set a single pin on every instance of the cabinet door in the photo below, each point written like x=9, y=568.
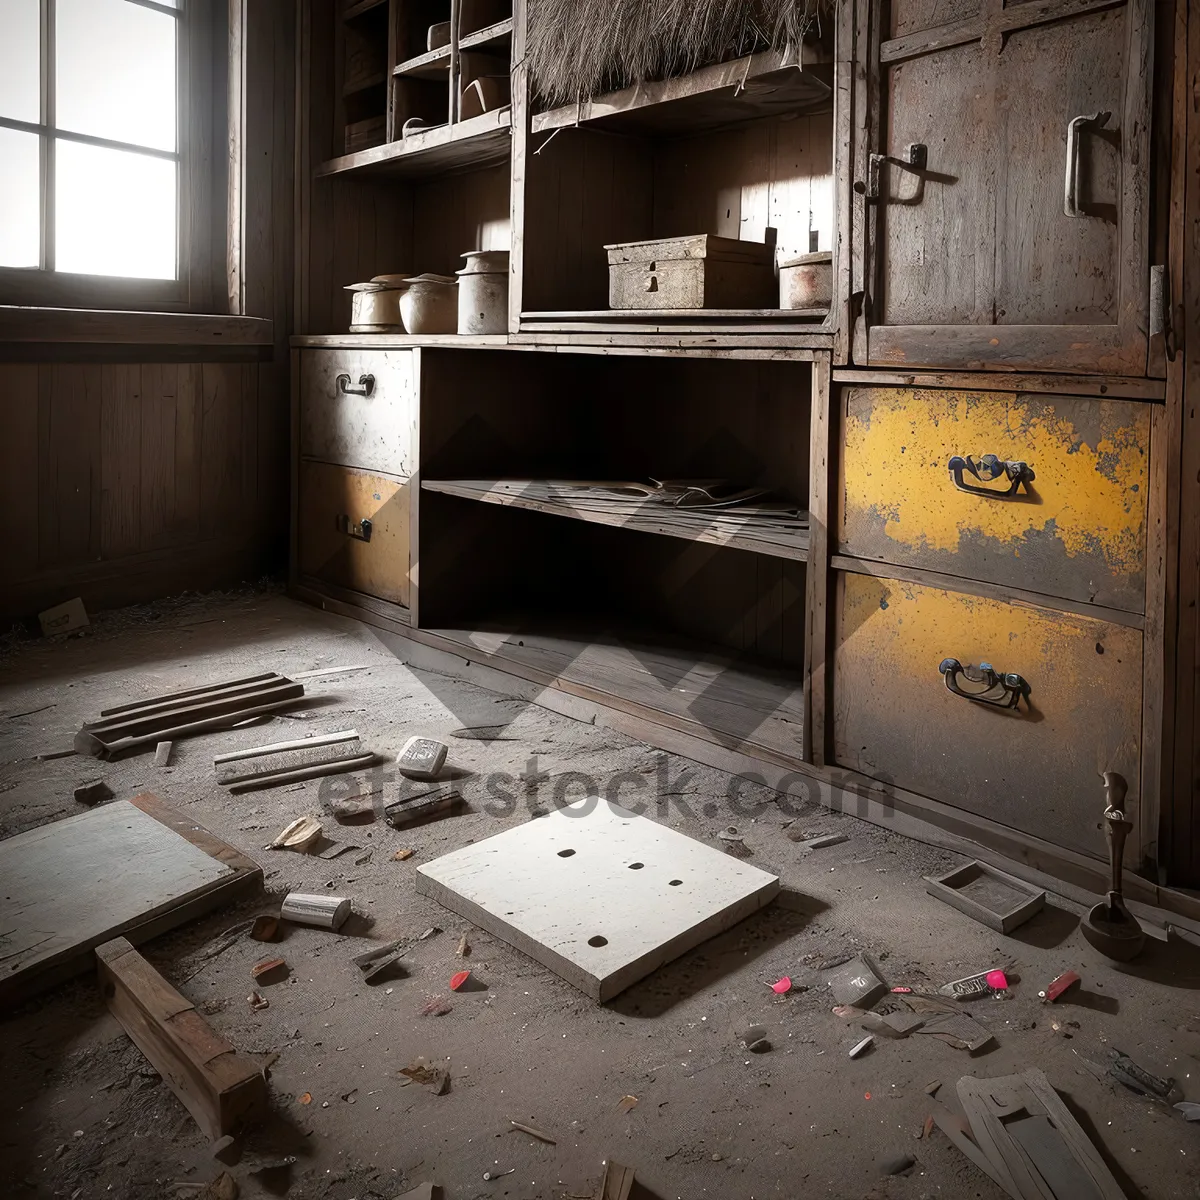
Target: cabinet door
x=1006, y=185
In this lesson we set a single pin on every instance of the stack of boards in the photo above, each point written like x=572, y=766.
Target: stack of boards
x=1019, y=1132
x=131, y=727
x=287, y=762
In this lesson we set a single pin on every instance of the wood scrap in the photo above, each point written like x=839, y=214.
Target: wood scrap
x=286, y=762
x=300, y=835
x=1036, y=1148
x=412, y=810
x=518, y=1127
x=220, y=1088
x=618, y=1182
x=162, y=754
x=129, y=727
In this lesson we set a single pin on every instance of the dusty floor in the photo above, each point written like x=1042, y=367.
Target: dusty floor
x=85, y=1116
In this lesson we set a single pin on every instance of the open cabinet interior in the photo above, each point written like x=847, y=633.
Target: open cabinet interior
x=741, y=150
x=677, y=621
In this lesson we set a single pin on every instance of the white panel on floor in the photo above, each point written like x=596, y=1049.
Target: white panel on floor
x=596, y=893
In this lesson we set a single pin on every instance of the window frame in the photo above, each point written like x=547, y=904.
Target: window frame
x=191, y=289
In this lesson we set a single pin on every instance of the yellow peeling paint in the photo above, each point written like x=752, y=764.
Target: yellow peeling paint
x=1089, y=457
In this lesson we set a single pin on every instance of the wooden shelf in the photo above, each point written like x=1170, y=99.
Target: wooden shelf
x=759, y=85
x=433, y=64
x=477, y=142
x=496, y=34
x=404, y=341
x=717, y=527
x=726, y=699
x=676, y=320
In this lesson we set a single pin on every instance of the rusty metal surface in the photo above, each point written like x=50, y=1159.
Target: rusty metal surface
x=1077, y=530
x=1036, y=767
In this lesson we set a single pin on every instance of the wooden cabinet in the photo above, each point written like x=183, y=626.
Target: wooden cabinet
x=356, y=437
x=1005, y=186
x=1062, y=511
x=1034, y=767
x=357, y=408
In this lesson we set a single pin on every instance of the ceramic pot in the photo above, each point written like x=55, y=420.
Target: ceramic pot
x=483, y=292
x=375, y=305
x=430, y=304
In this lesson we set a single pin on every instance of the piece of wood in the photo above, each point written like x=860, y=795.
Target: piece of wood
x=1108, y=386
x=130, y=868
x=22, y=324
x=614, y=895
x=316, y=770
x=162, y=754
x=617, y=1183
x=817, y=676
x=223, y=1091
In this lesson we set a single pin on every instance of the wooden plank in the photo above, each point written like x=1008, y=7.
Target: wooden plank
x=223, y=1091
x=127, y=868
x=19, y=488
x=29, y=324
x=824, y=428
x=1108, y=386
x=519, y=89
x=121, y=460
x=69, y=487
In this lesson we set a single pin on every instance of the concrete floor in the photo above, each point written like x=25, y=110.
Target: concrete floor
x=85, y=1116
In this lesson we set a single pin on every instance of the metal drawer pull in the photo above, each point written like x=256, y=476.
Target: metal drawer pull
x=355, y=529
x=1071, y=205
x=916, y=156
x=999, y=691
x=988, y=468
x=364, y=387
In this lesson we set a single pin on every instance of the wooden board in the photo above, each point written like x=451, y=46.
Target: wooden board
x=596, y=893
x=222, y=1091
x=133, y=868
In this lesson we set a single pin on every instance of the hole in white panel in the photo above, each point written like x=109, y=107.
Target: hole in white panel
x=597, y=941
x=565, y=853
x=636, y=866
x=675, y=883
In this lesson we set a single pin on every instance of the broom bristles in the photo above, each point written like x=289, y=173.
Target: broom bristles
x=581, y=48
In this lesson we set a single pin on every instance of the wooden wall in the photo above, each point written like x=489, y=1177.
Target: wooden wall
x=122, y=481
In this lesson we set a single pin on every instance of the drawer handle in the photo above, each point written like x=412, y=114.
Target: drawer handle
x=364, y=387
x=990, y=467
x=997, y=690
x=355, y=529
x=1071, y=203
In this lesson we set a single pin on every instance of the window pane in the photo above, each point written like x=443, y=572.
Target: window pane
x=116, y=71
x=20, y=59
x=115, y=212
x=19, y=226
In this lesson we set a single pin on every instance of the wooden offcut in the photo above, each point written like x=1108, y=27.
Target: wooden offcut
x=598, y=894
x=222, y=1090
x=134, y=868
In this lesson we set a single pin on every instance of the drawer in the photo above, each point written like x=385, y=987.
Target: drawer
x=1035, y=768
x=1078, y=530
x=372, y=431
x=335, y=547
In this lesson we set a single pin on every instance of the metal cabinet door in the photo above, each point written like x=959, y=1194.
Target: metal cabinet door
x=1005, y=189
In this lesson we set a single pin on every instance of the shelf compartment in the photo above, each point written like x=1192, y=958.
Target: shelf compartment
x=744, y=89
x=717, y=527
x=691, y=320
x=477, y=142
x=726, y=699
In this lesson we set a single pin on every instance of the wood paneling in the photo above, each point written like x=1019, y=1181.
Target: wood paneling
x=118, y=468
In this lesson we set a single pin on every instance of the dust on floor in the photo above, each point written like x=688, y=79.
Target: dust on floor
x=657, y=1079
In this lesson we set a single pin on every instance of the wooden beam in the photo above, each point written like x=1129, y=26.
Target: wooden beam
x=26, y=324
x=223, y=1091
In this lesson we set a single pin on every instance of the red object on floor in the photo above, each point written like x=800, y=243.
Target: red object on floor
x=780, y=986
x=1065, y=980
x=458, y=979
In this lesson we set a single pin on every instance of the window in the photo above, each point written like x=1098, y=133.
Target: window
x=94, y=151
